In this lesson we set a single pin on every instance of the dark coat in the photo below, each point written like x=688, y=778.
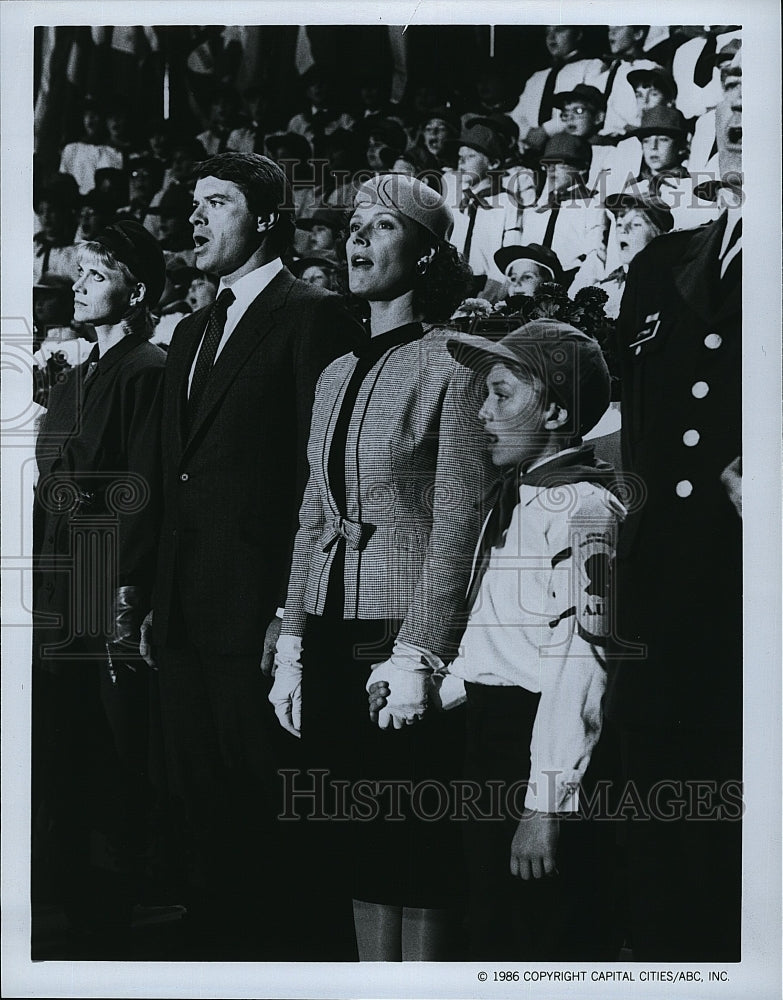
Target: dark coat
x=679, y=569
x=98, y=497
x=234, y=481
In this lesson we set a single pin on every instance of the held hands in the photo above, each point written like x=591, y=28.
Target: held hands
x=403, y=679
x=534, y=847
x=286, y=693
x=444, y=691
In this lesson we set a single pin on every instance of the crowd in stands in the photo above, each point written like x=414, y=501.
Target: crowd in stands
x=609, y=144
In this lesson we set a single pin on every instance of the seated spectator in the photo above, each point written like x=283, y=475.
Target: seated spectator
x=316, y=271
x=526, y=268
x=321, y=228
x=493, y=96
x=428, y=151
x=186, y=152
x=112, y=184
x=346, y=168
x=535, y=112
x=54, y=252
x=636, y=220
x=249, y=136
x=120, y=130
x=222, y=120
x=385, y=140
x=485, y=212
x=568, y=219
x=90, y=151
x=318, y=118
x=95, y=214
x=52, y=309
x=174, y=228
x=293, y=152
x=145, y=176
x=626, y=47
x=373, y=102
x=159, y=133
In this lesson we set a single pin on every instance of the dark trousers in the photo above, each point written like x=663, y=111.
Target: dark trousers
x=683, y=838
x=94, y=801
x=566, y=917
x=224, y=747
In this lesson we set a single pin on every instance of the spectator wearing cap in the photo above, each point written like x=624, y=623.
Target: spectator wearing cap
x=94, y=703
x=322, y=228
x=429, y=151
x=663, y=134
x=53, y=245
x=704, y=145
x=626, y=47
x=316, y=271
x=582, y=113
x=535, y=112
x=531, y=658
x=319, y=118
x=653, y=88
x=526, y=268
x=385, y=140
x=636, y=221
x=90, y=151
x=568, y=218
x=485, y=211
x=695, y=70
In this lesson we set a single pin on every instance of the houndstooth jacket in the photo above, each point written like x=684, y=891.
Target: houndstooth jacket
x=416, y=470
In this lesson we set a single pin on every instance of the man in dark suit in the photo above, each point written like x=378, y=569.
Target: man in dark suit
x=239, y=384
x=675, y=693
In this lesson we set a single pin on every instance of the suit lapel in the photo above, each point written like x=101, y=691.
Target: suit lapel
x=179, y=361
x=697, y=276
x=256, y=324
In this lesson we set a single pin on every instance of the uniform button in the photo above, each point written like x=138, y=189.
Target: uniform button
x=691, y=438
x=184, y=477
x=684, y=488
x=713, y=341
x=700, y=389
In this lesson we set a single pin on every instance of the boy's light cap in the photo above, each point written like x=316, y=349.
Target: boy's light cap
x=568, y=362
x=410, y=197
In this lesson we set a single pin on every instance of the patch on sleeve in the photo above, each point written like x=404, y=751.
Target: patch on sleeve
x=593, y=585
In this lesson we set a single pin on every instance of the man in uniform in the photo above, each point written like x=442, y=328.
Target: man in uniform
x=675, y=693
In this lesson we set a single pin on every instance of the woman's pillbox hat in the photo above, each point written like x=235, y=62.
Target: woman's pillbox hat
x=135, y=247
x=568, y=362
x=411, y=198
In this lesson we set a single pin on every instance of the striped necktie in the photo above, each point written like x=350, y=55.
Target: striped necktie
x=732, y=250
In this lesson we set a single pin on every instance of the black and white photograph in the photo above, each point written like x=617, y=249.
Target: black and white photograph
x=391, y=500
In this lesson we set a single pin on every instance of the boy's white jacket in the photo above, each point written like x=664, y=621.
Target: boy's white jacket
x=540, y=619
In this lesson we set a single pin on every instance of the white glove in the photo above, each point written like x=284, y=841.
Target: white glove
x=407, y=673
x=446, y=690
x=286, y=692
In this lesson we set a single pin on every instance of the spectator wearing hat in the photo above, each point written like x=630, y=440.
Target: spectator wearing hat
x=53, y=246
x=322, y=228
x=695, y=71
x=535, y=112
x=675, y=689
x=526, y=268
x=663, y=135
x=582, y=112
x=95, y=528
x=626, y=47
x=568, y=218
x=386, y=142
x=429, y=151
x=531, y=657
x=318, y=271
x=83, y=157
x=486, y=212
x=653, y=88
x=636, y=221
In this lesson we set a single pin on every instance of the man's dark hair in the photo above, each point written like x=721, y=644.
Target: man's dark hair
x=264, y=186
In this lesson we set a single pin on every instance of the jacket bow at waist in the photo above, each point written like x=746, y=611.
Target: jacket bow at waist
x=355, y=533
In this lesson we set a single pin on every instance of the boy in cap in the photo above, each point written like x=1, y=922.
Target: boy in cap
x=531, y=656
x=526, y=268
x=567, y=218
x=626, y=54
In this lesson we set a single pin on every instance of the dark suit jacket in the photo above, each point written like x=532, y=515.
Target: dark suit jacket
x=679, y=570
x=233, y=481
x=98, y=498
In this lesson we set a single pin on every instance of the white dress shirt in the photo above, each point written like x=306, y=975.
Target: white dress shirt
x=246, y=289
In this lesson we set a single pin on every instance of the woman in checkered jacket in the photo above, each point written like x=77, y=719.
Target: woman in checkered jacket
x=381, y=562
